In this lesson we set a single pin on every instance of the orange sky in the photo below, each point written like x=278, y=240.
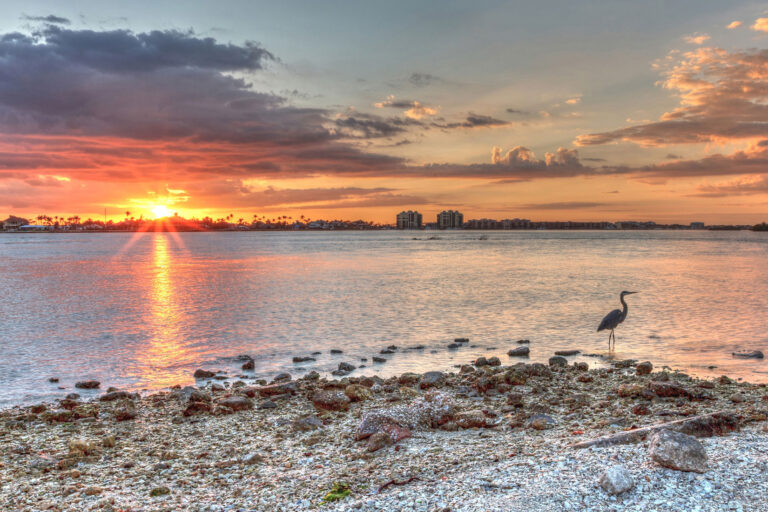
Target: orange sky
x=126, y=119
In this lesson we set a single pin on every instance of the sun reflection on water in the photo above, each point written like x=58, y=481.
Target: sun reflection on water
x=165, y=352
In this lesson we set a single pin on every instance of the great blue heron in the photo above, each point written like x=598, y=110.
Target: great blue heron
x=613, y=319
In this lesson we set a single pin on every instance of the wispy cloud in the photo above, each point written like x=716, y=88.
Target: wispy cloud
x=697, y=38
x=760, y=25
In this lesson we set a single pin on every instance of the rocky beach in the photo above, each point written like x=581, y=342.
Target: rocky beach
x=491, y=435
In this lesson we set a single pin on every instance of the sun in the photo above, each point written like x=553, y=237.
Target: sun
x=160, y=211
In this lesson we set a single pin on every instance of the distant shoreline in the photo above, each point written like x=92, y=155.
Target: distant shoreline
x=112, y=231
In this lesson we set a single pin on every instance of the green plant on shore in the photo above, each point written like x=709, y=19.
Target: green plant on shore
x=339, y=491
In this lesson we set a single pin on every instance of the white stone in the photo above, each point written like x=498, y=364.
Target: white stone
x=616, y=480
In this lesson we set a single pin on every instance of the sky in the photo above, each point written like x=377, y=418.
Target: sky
x=547, y=110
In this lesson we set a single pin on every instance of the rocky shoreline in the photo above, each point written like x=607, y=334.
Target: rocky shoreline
x=491, y=436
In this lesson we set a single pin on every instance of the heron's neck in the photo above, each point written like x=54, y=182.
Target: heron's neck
x=626, y=308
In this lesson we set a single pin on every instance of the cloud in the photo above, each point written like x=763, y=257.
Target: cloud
x=474, y=121
x=748, y=185
x=423, y=79
x=565, y=205
x=723, y=97
x=51, y=18
x=733, y=24
x=751, y=160
x=412, y=109
x=236, y=194
x=697, y=38
x=573, y=101
x=760, y=25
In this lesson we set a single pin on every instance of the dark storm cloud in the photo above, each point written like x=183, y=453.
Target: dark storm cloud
x=474, y=121
x=51, y=18
x=423, y=79
x=155, y=85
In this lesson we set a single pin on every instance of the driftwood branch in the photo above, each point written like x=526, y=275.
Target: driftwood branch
x=395, y=482
x=706, y=425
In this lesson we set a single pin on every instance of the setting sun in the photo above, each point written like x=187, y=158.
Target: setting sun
x=159, y=211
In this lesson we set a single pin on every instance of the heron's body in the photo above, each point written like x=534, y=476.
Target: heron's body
x=613, y=319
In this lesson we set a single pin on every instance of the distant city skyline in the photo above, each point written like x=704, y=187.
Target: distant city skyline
x=550, y=110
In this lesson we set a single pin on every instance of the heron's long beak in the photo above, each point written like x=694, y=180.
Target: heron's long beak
x=630, y=293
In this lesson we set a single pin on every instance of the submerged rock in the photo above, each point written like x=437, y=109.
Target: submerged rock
x=88, y=384
x=203, y=374
x=754, y=354
x=519, y=352
x=567, y=352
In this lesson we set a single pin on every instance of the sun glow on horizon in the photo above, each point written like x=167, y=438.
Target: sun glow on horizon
x=160, y=211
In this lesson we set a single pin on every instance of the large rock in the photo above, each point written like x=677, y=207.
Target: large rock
x=203, y=374
x=358, y=393
x=431, y=411
x=432, y=380
x=678, y=451
x=117, y=395
x=331, y=400
x=236, y=403
x=473, y=419
x=558, y=361
x=277, y=389
x=519, y=352
x=644, y=368
x=194, y=408
x=616, y=480
x=668, y=389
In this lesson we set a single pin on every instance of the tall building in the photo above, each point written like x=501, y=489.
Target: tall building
x=409, y=220
x=449, y=219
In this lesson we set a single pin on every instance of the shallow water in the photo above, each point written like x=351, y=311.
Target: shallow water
x=145, y=310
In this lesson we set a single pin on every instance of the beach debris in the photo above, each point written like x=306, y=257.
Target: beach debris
x=377, y=359
x=519, y=352
x=679, y=451
x=706, y=425
x=303, y=359
x=567, y=352
x=461, y=340
x=616, y=480
x=336, y=351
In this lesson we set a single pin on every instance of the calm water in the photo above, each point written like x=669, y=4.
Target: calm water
x=144, y=311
